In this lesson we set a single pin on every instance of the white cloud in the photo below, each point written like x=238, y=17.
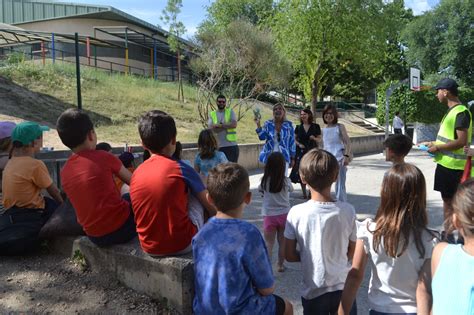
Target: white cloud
x=418, y=6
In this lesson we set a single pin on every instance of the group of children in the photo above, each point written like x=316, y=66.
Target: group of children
x=411, y=273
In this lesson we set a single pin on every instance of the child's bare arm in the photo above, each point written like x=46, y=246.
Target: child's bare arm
x=202, y=197
x=436, y=256
x=351, y=250
x=291, y=254
x=354, y=279
x=54, y=192
x=266, y=291
x=125, y=175
x=423, y=290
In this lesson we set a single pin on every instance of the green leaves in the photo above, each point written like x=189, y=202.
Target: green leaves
x=176, y=28
x=320, y=36
x=442, y=40
x=421, y=106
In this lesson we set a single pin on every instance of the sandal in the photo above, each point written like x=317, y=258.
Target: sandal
x=281, y=268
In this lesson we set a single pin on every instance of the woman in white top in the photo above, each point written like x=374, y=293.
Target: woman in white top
x=398, y=247
x=337, y=142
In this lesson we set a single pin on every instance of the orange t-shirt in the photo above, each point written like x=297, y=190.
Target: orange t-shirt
x=23, y=179
x=87, y=178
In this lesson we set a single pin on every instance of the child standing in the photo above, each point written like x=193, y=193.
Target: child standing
x=398, y=246
x=397, y=147
x=208, y=155
x=233, y=274
x=452, y=265
x=325, y=232
x=23, y=179
x=276, y=188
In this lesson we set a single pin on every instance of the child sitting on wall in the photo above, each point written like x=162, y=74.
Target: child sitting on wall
x=23, y=179
x=87, y=179
x=160, y=190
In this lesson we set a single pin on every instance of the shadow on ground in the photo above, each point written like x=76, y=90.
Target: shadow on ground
x=20, y=102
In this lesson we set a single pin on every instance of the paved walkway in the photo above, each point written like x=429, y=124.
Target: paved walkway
x=364, y=178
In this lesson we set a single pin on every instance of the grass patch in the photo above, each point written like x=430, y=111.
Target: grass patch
x=115, y=101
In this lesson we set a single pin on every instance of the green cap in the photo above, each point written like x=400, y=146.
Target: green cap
x=27, y=132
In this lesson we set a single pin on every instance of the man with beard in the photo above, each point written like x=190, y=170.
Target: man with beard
x=224, y=123
x=454, y=133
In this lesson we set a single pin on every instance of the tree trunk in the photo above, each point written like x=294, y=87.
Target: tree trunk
x=315, y=90
x=180, y=82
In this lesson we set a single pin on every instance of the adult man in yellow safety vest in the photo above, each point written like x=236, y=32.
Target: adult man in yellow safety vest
x=224, y=123
x=454, y=133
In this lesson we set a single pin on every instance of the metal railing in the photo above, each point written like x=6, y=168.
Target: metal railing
x=93, y=62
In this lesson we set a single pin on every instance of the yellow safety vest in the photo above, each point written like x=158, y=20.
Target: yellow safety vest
x=231, y=135
x=455, y=160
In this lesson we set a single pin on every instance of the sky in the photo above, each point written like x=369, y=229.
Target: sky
x=193, y=12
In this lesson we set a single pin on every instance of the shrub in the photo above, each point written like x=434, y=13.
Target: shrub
x=421, y=106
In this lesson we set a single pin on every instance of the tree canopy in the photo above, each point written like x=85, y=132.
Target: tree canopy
x=223, y=12
x=318, y=36
x=442, y=40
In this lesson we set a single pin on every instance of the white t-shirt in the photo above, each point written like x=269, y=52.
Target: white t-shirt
x=276, y=203
x=393, y=282
x=397, y=123
x=322, y=231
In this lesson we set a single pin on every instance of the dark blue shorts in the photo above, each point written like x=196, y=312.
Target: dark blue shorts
x=124, y=234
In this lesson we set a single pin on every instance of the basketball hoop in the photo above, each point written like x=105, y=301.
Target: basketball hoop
x=415, y=79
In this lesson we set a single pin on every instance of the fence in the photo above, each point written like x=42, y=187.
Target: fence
x=28, y=52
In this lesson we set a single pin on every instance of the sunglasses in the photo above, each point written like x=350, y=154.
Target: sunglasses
x=220, y=102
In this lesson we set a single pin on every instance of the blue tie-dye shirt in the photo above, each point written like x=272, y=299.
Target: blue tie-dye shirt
x=230, y=263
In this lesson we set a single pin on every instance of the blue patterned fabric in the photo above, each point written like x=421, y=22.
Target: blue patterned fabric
x=230, y=263
x=207, y=164
x=286, y=143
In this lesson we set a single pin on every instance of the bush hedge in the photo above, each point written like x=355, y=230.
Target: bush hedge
x=420, y=106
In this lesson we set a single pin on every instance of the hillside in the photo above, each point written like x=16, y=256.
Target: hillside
x=41, y=93
x=34, y=92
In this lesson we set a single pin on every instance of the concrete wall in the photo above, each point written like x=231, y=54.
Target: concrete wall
x=248, y=154
x=168, y=279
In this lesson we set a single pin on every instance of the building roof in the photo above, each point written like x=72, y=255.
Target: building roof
x=18, y=12
x=12, y=35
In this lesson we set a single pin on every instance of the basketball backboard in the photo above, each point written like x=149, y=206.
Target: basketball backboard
x=415, y=79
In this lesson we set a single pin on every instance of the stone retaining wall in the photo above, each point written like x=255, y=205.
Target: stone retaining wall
x=248, y=153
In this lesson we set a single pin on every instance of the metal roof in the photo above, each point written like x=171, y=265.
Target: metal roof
x=18, y=12
x=13, y=36
x=130, y=35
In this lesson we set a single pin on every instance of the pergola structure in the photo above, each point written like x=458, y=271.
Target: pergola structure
x=12, y=36
x=129, y=35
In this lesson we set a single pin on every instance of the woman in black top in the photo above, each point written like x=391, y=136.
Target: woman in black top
x=307, y=137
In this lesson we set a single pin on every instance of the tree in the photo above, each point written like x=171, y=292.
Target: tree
x=241, y=62
x=223, y=12
x=442, y=40
x=318, y=36
x=176, y=30
x=351, y=79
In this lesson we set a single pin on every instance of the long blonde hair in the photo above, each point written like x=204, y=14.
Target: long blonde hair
x=282, y=107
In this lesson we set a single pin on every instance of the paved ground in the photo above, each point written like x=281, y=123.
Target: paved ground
x=364, y=178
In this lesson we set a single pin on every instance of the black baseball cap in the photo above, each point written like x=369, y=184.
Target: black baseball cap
x=446, y=83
